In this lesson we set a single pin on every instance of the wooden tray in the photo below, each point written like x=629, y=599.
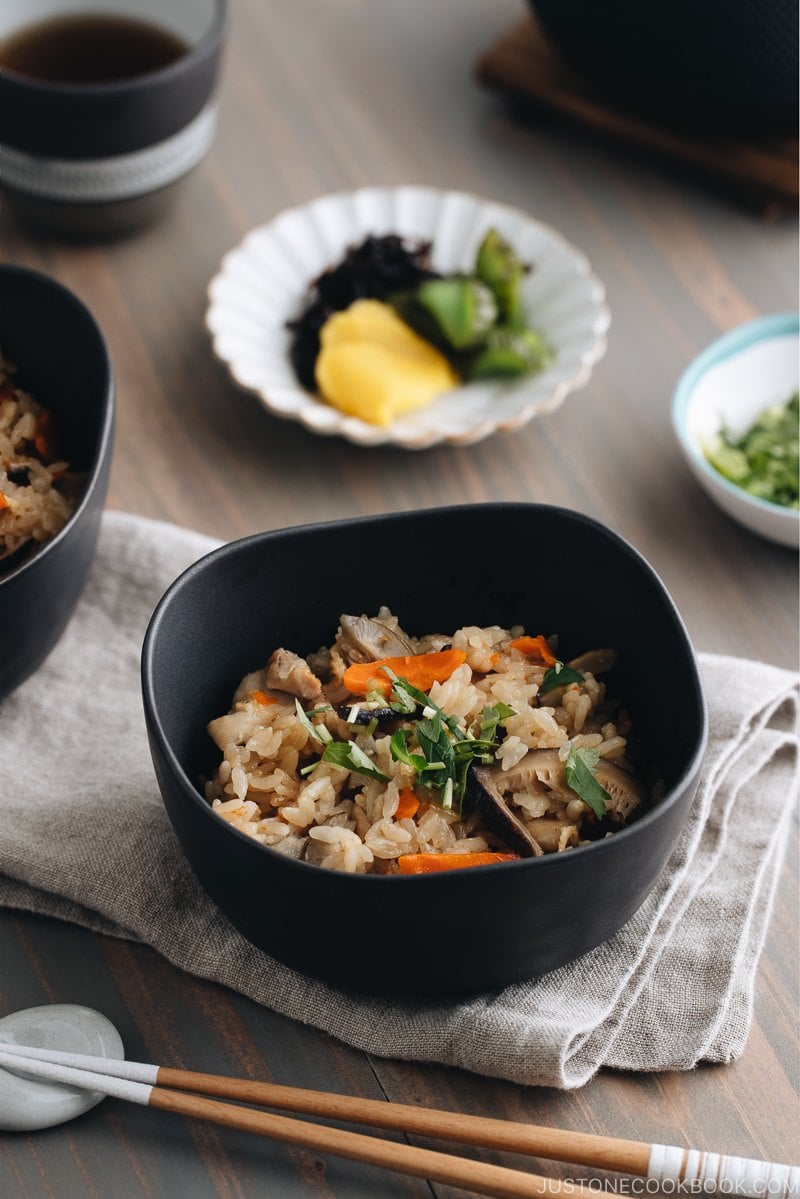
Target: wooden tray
x=524, y=66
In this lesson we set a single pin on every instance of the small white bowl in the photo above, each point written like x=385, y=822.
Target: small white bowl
x=263, y=283
x=731, y=383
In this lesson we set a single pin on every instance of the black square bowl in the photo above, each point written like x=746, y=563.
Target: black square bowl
x=451, y=933
x=62, y=360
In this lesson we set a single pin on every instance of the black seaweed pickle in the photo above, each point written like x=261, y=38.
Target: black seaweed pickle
x=373, y=270
x=365, y=716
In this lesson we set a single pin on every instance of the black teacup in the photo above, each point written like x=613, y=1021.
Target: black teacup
x=103, y=112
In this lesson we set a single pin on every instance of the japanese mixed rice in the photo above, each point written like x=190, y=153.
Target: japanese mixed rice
x=385, y=753
x=38, y=492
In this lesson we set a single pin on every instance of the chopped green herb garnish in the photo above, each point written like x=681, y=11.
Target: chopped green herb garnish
x=438, y=750
x=401, y=753
x=350, y=756
x=491, y=717
x=559, y=676
x=447, y=750
x=580, y=768
x=403, y=686
x=402, y=699
x=765, y=459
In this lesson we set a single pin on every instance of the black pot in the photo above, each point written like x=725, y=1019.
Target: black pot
x=716, y=65
x=63, y=361
x=469, y=930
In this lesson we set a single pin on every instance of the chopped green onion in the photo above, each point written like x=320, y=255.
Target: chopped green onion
x=311, y=729
x=425, y=701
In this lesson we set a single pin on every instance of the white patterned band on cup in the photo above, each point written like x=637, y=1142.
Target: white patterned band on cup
x=686, y=1171
x=123, y=177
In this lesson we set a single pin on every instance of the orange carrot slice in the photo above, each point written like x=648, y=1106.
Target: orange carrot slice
x=408, y=805
x=421, y=670
x=429, y=863
x=535, y=645
x=262, y=698
x=3, y=502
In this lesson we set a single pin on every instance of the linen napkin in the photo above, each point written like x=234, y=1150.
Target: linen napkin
x=84, y=837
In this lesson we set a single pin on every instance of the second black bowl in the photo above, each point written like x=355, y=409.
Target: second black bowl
x=461, y=931
x=63, y=362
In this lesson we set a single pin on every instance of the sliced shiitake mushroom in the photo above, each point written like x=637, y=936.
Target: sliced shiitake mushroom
x=623, y=789
x=595, y=661
x=483, y=795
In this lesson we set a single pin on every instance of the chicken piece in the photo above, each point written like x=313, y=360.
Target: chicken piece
x=288, y=672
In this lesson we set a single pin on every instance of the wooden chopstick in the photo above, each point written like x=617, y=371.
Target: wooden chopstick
x=481, y=1178
x=657, y=1162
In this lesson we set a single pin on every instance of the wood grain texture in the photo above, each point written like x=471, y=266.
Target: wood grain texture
x=324, y=95
x=525, y=66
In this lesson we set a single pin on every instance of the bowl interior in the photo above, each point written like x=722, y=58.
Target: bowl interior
x=61, y=359
x=734, y=391
x=547, y=568
x=729, y=385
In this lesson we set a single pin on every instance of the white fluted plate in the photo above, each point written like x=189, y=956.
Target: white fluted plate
x=263, y=283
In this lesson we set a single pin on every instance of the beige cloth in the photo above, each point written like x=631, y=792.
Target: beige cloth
x=84, y=838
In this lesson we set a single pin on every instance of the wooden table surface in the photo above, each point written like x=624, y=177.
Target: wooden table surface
x=325, y=95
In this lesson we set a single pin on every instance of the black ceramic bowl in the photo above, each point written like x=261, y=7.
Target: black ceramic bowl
x=468, y=930
x=718, y=66
x=61, y=358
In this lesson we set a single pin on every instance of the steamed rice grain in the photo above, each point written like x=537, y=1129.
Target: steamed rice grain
x=38, y=493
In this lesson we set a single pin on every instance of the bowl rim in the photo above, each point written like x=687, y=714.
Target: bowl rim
x=439, y=879
x=214, y=31
x=106, y=433
x=362, y=433
x=735, y=341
